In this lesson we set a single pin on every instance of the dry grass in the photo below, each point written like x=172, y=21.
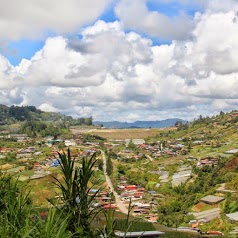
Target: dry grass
x=42, y=189
x=203, y=207
x=122, y=134
x=198, y=207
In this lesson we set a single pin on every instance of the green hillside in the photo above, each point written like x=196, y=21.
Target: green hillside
x=13, y=114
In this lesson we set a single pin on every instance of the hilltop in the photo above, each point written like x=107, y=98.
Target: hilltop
x=12, y=114
x=141, y=124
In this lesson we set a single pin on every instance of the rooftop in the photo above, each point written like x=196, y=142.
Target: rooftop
x=210, y=199
x=139, y=234
x=233, y=216
x=208, y=214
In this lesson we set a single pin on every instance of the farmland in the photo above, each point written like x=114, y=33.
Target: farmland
x=122, y=134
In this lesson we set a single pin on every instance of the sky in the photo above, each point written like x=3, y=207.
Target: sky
x=122, y=60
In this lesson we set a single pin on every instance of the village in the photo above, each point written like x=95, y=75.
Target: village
x=37, y=160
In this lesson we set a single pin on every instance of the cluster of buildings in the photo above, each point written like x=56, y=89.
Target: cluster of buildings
x=207, y=161
x=169, y=149
x=142, y=201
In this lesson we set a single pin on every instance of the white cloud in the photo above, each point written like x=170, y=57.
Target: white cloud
x=31, y=19
x=47, y=108
x=110, y=74
x=135, y=15
x=208, y=63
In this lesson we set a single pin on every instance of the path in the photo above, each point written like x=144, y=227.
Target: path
x=149, y=157
x=120, y=205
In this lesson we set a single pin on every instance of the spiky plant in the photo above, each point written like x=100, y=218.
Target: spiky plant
x=55, y=226
x=75, y=191
x=15, y=208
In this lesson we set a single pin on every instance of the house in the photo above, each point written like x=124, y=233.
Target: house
x=207, y=161
x=198, y=142
x=208, y=215
x=55, y=163
x=6, y=150
x=93, y=191
x=232, y=217
x=216, y=233
x=142, y=211
x=138, y=195
x=135, y=141
x=140, y=189
x=106, y=199
x=212, y=200
x=142, y=234
x=131, y=187
x=143, y=205
x=18, y=137
x=222, y=189
x=125, y=195
x=121, y=187
x=235, y=114
x=39, y=174
x=110, y=206
x=70, y=143
x=231, y=151
x=36, y=165
x=153, y=219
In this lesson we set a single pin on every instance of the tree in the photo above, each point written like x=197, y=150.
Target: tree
x=88, y=121
x=222, y=113
x=109, y=166
x=132, y=146
x=100, y=164
x=11, y=156
x=178, y=123
x=121, y=169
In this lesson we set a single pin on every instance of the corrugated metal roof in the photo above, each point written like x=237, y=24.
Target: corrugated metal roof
x=233, y=216
x=139, y=234
x=212, y=199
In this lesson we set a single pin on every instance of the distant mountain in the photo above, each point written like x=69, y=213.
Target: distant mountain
x=141, y=124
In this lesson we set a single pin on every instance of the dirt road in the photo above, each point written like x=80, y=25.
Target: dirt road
x=149, y=157
x=120, y=205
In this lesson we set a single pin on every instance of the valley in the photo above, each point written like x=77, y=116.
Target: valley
x=178, y=179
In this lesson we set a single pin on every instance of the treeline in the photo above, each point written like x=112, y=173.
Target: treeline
x=9, y=115
x=22, y=113
x=39, y=128
x=88, y=121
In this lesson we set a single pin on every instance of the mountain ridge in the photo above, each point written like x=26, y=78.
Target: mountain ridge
x=141, y=124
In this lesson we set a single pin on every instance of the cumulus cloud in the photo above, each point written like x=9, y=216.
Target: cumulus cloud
x=110, y=74
x=208, y=63
x=135, y=15
x=88, y=61
x=30, y=19
x=47, y=108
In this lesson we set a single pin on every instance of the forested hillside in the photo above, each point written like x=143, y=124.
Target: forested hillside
x=12, y=114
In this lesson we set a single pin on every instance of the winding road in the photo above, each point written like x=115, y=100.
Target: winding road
x=120, y=205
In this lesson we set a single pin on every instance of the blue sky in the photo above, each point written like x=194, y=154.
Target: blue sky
x=17, y=50
x=26, y=48
x=120, y=60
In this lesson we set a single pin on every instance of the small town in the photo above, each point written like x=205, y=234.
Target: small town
x=173, y=180
x=118, y=119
